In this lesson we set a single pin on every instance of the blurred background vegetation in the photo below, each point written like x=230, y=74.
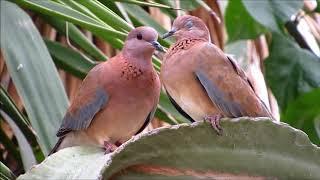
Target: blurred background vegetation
x=48, y=46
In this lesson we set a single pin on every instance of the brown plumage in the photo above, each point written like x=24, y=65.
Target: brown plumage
x=118, y=97
x=202, y=81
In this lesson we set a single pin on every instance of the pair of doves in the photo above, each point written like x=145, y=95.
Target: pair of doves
x=118, y=98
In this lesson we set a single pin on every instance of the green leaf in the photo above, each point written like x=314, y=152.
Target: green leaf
x=239, y=50
x=318, y=6
x=171, y=13
x=5, y=173
x=302, y=114
x=272, y=13
x=69, y=59
x=317, y=125
x=65, y=13
x=166, y=106
x=8, y=144
x=78, y=7
x=248, y=147
x=142, y=3
x=107, y=15
x=33, y=73
x=27, y=156
x=239, y=23
x=122, y=12
x=77, y=37
x=164, y=117
x=189, y=5
x=290, y=70
x=8, y=106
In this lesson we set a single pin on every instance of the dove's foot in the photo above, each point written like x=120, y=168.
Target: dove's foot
x=109, y=147
x=214, y=120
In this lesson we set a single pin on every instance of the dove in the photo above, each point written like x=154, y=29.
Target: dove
x=201, y=81
x=117, y=99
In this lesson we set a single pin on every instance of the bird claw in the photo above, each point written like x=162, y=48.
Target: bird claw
x=214, y=120
x=108, y=147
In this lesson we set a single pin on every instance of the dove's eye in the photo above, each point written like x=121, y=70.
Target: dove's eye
x=139, y=36
x=189, y=24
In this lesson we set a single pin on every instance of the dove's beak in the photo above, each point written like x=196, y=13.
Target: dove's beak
x=157, y=46
x=170, y=33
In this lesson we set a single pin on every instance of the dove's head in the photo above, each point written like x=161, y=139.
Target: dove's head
x=187, y=26
x=142, y=41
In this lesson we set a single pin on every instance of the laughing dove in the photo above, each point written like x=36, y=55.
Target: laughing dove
x=201, y=81
x=118, y=97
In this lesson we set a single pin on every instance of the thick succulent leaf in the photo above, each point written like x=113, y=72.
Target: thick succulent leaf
x=33, y=72
x=5, y=173
x=69, y=60
x=240, y=24
x=290, y=70
x=272, y=13
x=303, y=112
x=248, y=147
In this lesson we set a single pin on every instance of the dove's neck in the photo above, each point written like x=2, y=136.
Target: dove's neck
x=138, y=58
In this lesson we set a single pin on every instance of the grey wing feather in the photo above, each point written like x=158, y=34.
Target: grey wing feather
x=243, y=75
x=83, y=117
x=239, y=71
x=230, y=108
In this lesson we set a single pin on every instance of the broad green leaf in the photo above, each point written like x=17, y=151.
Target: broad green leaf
x=272, y=13
x=303, y=112
x=33, y=73
x=239, y=23
x=290, y=70
x=248, y=148
x=76, y=36
x=27, y=156
x=5, y=173
x=69, y=59
x=8, y=106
